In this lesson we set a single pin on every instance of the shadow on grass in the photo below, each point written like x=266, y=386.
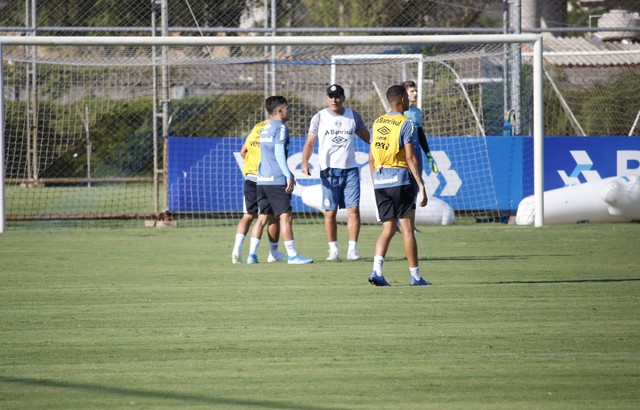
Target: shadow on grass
x=542, y=282
x=150, y=394
x=489, y=257
x=428, y=258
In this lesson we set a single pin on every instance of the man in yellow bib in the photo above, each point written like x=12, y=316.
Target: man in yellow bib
x=395, y=170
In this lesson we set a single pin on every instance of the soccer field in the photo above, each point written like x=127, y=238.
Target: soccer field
x=518, y=318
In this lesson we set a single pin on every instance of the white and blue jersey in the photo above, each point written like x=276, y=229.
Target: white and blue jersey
x=274, y=147
x=336, y=135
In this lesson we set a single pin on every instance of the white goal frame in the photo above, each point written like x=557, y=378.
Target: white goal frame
x=415, y=58
x=534, y=39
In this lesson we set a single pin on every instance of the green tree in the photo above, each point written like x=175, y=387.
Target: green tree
x=392, y=13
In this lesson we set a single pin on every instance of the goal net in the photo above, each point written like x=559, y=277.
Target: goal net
x=118, y=134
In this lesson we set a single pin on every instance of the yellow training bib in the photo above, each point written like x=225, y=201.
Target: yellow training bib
x=385, y=142
x=252, y=157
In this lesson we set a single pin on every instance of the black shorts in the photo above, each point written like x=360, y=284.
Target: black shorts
x=273, y=199
x=395, y=202
x=250, y=191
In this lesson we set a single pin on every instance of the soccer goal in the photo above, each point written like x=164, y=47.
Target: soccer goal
x=106, y=131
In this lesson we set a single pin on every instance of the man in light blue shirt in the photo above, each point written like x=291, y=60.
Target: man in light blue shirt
x=415, y=114
x=275, y=181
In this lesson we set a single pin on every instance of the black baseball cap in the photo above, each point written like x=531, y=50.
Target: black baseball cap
x=336, y=90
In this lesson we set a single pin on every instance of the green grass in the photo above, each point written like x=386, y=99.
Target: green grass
x=518, y=318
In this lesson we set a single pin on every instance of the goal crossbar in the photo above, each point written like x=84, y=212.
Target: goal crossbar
x=527, y=38
x=268, y=41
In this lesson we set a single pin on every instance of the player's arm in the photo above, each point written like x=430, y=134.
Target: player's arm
x=416, y=171
x=371, y=164
x=422, y=139
x=364, y=135
x=361, y=129
x=281, y=158
x=312, y=136
x=306, y=153
x=243, y=150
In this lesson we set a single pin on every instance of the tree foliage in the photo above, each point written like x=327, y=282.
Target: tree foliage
x=228, y=13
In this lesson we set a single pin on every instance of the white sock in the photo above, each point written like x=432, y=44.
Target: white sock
x=378, y=261
x=415, y=272
x=237, y=247
x=253, y=247
x=353, y=245
x=333, y=247
x=291, y=248
x=273, y=246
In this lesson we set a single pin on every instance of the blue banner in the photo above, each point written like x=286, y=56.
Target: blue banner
x=576, y=160
x=476, y=173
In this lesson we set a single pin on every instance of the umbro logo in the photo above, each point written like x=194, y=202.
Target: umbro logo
x=337, y=140
x=384, y=130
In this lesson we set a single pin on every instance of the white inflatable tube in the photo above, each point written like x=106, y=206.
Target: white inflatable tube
x=614, y=199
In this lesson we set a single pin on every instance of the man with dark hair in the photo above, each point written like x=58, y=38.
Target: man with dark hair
x=250, y=152
x=336, y=128
x=275, y=180
x=394, y=171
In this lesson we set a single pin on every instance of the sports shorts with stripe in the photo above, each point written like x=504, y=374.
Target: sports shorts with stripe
x=340, y=188
x=395, y=202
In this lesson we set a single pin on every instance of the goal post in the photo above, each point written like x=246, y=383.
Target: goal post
x=83, y=76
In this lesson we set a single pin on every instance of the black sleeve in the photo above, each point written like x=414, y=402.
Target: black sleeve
x=422, y=139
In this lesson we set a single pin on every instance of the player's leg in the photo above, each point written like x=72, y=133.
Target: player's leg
x=410, y=245
x=353, y=231
x=286, y=230
x=386, y=213
x=331, y=229
x=409, y=239
x=384, y=239
x=330, y=197
x=250, y=209
x=264, y=212
x=280, y=202
x=273, y=232
x=382, y=245
x=241, y=232
x=256, y=234
x=351, y=197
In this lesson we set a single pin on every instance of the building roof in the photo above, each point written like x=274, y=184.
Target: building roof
x=586, y=52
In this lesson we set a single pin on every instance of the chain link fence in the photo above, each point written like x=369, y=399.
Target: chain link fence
x=65, y=17
x=80, y=119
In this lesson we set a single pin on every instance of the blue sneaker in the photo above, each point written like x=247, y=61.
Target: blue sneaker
x=252, y=258
x=298, y=260
x=376, y=280
x=419, y=282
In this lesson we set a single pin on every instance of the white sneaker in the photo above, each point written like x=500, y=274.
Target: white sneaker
x=235, y=258
x=333, y=256
x=278, y=257
x=353, y=255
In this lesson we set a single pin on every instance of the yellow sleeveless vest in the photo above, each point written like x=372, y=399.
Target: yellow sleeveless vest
x=252, y=157
x=385, y=142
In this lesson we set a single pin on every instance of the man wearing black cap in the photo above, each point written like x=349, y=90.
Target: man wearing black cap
x=335, y=128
